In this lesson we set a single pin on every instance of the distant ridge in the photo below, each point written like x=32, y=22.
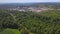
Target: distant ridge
x=15, y=5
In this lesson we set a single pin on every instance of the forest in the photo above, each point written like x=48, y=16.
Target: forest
x=16, y=22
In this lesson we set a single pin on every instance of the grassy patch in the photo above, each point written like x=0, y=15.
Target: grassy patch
x=10, y=31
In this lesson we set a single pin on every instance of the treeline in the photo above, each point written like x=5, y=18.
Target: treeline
x=47, y=22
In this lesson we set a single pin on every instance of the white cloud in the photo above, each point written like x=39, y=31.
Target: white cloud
x=9, y=1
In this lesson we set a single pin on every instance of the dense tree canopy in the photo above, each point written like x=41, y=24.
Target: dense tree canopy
x=47, y=22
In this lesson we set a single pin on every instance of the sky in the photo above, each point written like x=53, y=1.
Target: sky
x=27, y=1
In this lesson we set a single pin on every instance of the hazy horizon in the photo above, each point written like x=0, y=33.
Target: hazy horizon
x=27, y=1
